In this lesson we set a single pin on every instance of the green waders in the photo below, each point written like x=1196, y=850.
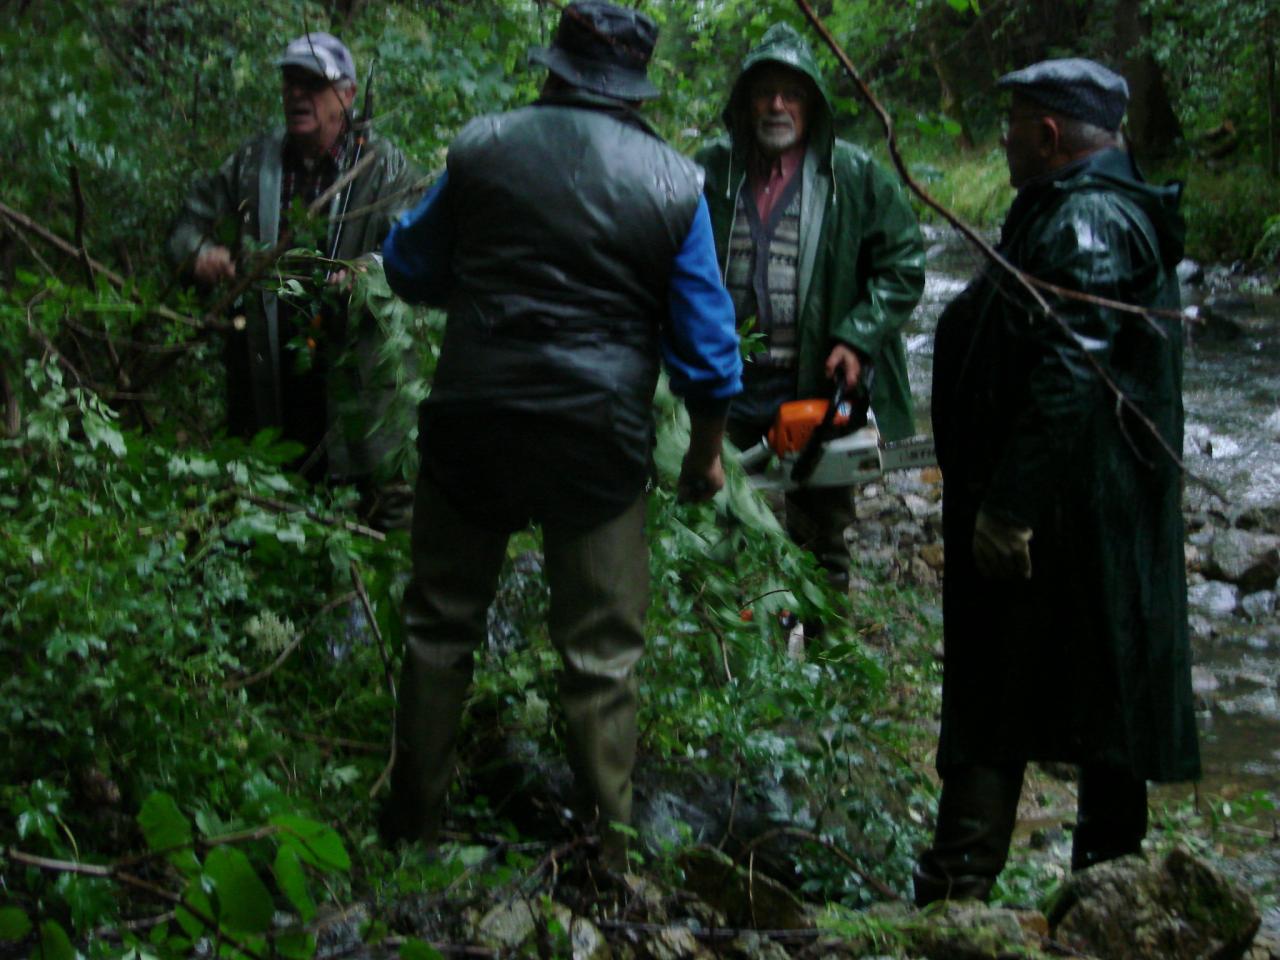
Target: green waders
x=599, y=580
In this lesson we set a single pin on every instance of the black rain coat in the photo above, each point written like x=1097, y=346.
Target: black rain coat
x=1089, y=660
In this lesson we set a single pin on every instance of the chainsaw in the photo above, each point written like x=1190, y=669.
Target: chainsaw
x=830, y=443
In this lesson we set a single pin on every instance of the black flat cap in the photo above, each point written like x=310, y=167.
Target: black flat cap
x=1075, y=87
x=602, y=48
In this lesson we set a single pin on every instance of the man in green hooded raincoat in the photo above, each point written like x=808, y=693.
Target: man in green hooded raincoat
x=323, y=384
x=1064, y=599
x=821, y=250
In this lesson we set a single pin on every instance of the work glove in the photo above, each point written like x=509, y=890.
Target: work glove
x=1002, y=550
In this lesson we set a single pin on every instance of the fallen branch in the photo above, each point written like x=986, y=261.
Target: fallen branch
x=110, y=872
x=283, y=506
x=717, y=934
x=875, y=883
x=287, y=652
x=18, y=219
x=363, y=594
x=261, y=263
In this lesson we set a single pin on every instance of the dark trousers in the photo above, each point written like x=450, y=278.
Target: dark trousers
x=816, y=517
x=977, y=813
x=599, y=580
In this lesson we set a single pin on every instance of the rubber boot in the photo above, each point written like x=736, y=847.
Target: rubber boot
x=455, y=574
x=976, y=814
x=599, y=592
x=1111, y=816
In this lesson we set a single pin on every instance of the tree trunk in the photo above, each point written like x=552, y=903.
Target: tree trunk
x=1152, y=124
x=951, y=104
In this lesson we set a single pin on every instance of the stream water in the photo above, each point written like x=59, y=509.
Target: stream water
x=1232, y=400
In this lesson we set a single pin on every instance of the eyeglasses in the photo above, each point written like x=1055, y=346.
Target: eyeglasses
x=306, y=80
x=791, y=93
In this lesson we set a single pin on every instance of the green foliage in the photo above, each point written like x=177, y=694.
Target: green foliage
x=1227, y=210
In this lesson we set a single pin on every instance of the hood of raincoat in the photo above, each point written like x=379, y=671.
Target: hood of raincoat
x=1111, y=170
x=783, y=45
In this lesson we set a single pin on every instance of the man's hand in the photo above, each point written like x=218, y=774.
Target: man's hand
x=844, y=357
x=699, y=481
x=702, y=473
x=213, y=264
x=1001, y=550
x=342, y=278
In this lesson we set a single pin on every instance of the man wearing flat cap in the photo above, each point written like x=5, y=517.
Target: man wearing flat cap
x=1064, y=601
x=319, y=381
x=822, y=254
x=572, y=249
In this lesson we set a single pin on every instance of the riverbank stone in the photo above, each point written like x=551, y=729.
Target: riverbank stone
x=1249, y=560
x=1178, y=908
x=1213, y=597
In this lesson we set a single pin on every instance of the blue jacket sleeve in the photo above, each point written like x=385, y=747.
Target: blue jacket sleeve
x=417, y=252
x=700, y=343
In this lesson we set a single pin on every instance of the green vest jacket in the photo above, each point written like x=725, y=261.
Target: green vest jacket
x=245, y=193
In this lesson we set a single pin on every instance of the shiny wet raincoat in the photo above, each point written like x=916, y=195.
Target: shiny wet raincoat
x=1088, y=661
x=861, y=269
x=242, y=199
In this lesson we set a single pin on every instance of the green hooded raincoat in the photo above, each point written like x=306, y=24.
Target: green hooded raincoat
x=1088, y=661
x=861, y=268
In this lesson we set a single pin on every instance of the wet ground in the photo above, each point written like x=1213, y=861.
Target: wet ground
x=1232, y=399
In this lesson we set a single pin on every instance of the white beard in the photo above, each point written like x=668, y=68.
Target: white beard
x=773, y=138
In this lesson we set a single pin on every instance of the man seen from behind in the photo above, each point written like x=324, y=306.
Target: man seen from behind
x=572, y=250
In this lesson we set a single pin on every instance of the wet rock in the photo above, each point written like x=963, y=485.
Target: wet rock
x=1201, y=628
x=874, y=508
x=675, y=943
x=507, y=925
x=1178, y=909
x=918, y=506
x=1211, y=323
x=968, y=930
x=746, y=898
x=587, y=942
x=921, y=573
x=1249, y=560
x=752, y=946
x=1258, y=605
x=1191, y=557
x=932, y=554
x=1190, y=273
x=1214, y=598
x=1203, y=681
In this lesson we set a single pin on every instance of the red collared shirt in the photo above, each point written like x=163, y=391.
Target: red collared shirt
x=770, y=178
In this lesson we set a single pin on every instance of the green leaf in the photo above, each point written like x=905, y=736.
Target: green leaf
x=193, y=925
x=99, y=431
x=163, y=824
x=418, y=950
x=292, y=881
x=317, y=844
x=14, y=924
x=54, y=943
x=165, y=827
x=295, y=944
x=243, y=900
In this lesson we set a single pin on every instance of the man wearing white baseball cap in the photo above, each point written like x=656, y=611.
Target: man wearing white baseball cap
x=310, y=380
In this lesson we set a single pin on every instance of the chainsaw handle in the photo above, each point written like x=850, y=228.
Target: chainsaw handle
x=808, y=459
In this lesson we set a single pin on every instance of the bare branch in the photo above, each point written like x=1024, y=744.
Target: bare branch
x=358, y=582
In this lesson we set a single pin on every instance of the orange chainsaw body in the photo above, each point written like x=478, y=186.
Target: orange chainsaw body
x=795, y=422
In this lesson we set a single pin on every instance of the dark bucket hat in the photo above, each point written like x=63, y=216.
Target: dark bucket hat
x=602, y=49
